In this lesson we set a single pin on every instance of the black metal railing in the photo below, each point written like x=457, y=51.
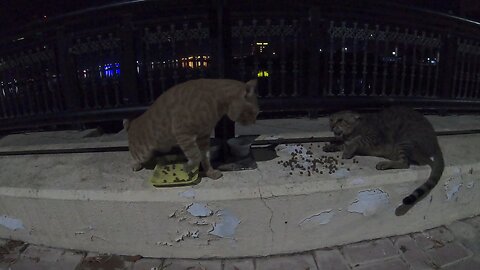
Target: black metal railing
x=111, y=62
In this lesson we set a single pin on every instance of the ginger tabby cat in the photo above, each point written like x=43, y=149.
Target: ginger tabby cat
x=185, y=115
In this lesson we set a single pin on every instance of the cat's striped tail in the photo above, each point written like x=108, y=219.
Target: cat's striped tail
x=126, y=124
x=421, y=192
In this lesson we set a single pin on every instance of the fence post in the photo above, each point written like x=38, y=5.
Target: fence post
x=128, y=63
x=67, y=72
x=314, y=39
x=448, y=53
x=220, y=36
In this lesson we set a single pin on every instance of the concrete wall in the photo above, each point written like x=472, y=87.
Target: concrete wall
x=93, y=202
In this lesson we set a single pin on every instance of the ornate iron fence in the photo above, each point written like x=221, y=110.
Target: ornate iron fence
x=111, y=62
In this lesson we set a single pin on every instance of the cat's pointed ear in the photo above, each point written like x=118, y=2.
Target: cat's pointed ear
x=251, y=86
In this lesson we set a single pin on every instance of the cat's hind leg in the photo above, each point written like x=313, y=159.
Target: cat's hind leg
x=203, y=143
x=400, y=155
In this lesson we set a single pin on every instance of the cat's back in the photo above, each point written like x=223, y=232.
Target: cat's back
x=198, y=90
x=403, y=123
x=401, y=116
x=208, y=87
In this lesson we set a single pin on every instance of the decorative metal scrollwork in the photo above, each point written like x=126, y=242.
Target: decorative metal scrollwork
x=345, y=31
x=465, y=46
x=268, y=29
x=27, y=58
x=100, y=43
x=163, y=35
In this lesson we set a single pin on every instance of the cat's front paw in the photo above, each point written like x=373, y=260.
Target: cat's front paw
x=191, y=166
x=214, y=174
x=330, y=148
x=137, y=167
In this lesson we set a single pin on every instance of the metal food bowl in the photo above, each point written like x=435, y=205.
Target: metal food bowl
x=240, y=146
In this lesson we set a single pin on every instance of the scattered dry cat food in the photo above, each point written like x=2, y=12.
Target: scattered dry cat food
x=307, y=163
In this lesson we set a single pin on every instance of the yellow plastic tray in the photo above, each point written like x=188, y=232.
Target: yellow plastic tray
x=170, y=175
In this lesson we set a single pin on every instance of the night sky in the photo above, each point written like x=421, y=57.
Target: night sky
x=20, y=12
x=14, y=13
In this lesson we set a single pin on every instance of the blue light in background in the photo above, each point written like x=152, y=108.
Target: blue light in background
x=112, y=69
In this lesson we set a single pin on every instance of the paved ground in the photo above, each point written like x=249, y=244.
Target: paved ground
x=452, y=247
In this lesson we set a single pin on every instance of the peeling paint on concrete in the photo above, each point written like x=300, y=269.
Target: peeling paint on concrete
x=11, y=223
x=179, y=238
x=168, y=244
x=194, y=234
x=190, y=193
x=199, y=210
x=358, y=181
x=320, y=218
x=187, y=234
x=453, y=184
x=368, y=202
x=451, y=189
x=470, y=184
x=227, y=225
x=199, y=222
x=341, y=173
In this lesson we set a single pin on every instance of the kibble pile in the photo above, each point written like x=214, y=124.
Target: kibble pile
x=303, y=161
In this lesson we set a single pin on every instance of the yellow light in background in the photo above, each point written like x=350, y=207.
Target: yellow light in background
x=194, y=61
x=262, y=73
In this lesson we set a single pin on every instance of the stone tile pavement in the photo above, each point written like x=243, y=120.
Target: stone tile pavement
x=451, y=247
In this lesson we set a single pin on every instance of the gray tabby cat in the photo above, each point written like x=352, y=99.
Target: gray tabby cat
x=399, y=134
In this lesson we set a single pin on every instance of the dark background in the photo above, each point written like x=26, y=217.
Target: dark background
x=17, y=13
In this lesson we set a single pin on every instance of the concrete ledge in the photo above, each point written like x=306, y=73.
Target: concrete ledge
x=93, y=202
x=270, y=129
